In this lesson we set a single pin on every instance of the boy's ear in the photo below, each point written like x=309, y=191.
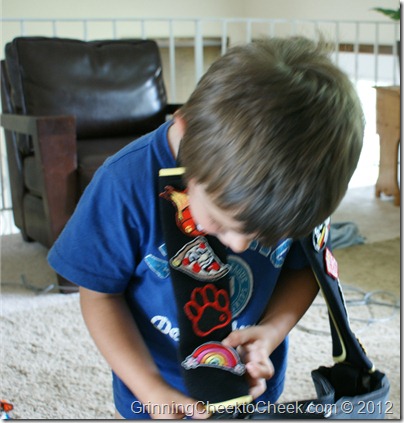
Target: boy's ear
x=180, y=122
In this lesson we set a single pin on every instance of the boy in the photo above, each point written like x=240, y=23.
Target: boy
x=269, y=140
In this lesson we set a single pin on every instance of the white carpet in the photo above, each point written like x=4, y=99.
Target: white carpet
x=51, y=369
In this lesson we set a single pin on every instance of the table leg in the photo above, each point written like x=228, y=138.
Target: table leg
x=387, y=182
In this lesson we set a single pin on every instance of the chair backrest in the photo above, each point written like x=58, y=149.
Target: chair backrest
x=112, y=87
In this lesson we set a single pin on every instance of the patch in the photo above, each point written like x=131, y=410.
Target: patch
x=214, y=354
x=158, y=266
x=163, y=250
x=208, y=309
x=241, y=284
x=183, y=217
x=198, y=260
x=331, y=264
x=320, y=235
x=278, y=256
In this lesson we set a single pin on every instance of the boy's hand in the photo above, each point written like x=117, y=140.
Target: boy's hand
x=254, y=349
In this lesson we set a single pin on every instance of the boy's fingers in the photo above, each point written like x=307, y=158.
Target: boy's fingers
x=258, y=388
x=260, y=369
x=238, y=337
x=231, y=340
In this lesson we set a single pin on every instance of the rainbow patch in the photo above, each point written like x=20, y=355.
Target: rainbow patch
x=214, y=354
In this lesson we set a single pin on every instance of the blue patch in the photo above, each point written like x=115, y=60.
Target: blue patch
x=265, y=251
x=163, y=249
x=158, y=266
x=279, y=254
x=241, y=284
x=253, y=245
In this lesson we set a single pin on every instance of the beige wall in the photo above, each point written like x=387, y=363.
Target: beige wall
x=352, y=10
x=122, y=8
x=318, y=9
x=305, y=9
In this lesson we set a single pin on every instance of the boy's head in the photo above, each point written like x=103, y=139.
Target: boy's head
x=273, y=131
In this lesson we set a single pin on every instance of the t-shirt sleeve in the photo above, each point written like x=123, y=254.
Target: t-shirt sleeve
x=98, y=246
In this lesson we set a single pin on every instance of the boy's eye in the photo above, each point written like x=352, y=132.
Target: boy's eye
x=214, y=226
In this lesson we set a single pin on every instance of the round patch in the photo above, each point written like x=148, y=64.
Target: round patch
x=241, y=284
x=320, y=235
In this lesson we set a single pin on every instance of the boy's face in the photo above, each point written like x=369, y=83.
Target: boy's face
x=215, y=221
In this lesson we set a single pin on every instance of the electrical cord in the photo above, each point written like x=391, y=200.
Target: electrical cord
x=369, y=299
x=39, y=290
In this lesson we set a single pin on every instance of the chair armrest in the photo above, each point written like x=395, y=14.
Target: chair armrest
x=25, y=124
x=55, y=150
x=172, y=108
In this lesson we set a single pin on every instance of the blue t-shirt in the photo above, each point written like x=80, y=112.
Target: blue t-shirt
x=113, y=243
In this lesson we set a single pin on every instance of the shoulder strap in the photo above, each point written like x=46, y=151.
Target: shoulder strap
x=212, y=372
x=346, y=347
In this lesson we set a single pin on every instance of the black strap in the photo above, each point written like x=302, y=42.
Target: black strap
x=346, y=347
x=212, y=372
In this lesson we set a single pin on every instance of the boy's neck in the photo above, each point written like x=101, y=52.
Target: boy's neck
x=174, y=135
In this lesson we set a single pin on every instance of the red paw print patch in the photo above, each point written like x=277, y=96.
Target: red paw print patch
x=208, y=309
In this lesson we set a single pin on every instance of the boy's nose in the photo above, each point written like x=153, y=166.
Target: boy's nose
x=237, y=242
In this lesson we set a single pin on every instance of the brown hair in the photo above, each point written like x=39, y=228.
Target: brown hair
x=274, y=131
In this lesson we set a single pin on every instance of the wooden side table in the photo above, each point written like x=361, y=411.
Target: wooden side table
x=388, y=128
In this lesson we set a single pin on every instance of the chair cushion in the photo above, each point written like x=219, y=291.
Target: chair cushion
x=113, y=87
x=91, y=154
x=36, y=225
x=33, y=181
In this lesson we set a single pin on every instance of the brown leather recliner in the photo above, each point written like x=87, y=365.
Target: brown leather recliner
x=68, y=105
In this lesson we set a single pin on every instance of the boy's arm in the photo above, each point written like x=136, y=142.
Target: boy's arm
x=116, y=335
x=293, y=295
